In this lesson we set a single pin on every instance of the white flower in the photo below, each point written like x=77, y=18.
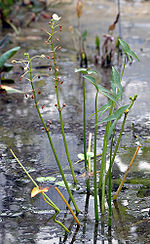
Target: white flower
x=42, y=56
x=56, y=17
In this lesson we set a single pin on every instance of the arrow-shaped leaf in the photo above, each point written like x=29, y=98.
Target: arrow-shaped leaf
x=85, y=71
x=5, y=56
x=100, y=88
x=37, y=190
x=115, y=81
x=127, y=50
x=116, y=115
x=10, y=90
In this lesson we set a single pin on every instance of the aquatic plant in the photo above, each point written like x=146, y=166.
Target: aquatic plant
x=28, y=69
x=112, y=108
x=4, y=66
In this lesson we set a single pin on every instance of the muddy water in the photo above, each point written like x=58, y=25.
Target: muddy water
x=24, y=220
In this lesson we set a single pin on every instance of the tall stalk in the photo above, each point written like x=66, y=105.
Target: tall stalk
x=120, y=134
x=58, y=101
x=103, y=162
x=95, y=161
x=84, y=137
x=49, y=137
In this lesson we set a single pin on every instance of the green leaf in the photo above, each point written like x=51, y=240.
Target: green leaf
x=81, y=156
x=10, y=90
x=6, y=68
x=100, y=88
x=103, y=108
x=116, y=115
x=86, y=71
x=5, y=56
x=127, y=50
x=61, y=183
x=89, y=155
x=115, y=81
x=48, y=178
x=84, y=35
x=112, y=128
x=97, y=42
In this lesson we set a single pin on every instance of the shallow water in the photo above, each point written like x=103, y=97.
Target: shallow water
x=24, y=220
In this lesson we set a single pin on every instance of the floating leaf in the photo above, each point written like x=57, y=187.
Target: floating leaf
x=10, y=90
x=5, y=56
x=61, y=183
x=37, y=190
x=89, y=155
x=89, y=174
x=48, y=178
x=81, y=156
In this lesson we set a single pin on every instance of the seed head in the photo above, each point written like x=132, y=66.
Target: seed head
x=21, y=77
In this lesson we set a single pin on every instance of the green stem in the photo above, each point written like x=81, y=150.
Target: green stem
x=95, y=161
x=120, y=135
x=124, y=65
x=50, y=141
x=54, y=216
x=84, y=136
x=59, y=107
x=103, y=162
x=89, y=150
x=109, y=185
x=18, y=161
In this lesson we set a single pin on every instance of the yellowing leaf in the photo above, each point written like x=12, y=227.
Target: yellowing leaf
x=37, y=190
